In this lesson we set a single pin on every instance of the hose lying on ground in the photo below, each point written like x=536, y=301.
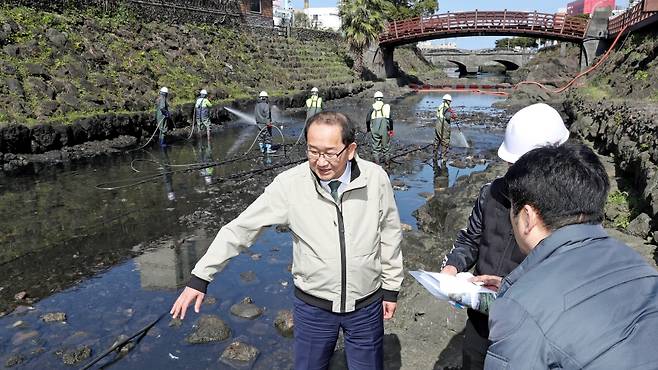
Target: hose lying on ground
x=118, y=345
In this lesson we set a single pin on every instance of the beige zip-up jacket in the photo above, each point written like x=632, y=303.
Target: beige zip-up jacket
x=346, y=254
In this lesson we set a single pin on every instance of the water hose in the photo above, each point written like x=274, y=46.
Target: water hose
x=141, y=333
x=581, y=74
x=193, y=123
x=151, y=138
x=283, y=140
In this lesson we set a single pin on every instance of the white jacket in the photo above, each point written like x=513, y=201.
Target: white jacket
x=346, y=254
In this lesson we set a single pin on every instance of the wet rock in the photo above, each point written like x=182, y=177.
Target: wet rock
x=209, y=328
x=126, y=347
x=18, y=324
x=239, y=353
x=246, y=309
x=21, y=309
x=73, y=356
x=23, y=336
x=640, y=226
x=209, y=300
x=44, y=138
x=20, y=296
x=248, y=276
x=284, y=323
x=14, y=360
x=176, y=323
x=54, y=317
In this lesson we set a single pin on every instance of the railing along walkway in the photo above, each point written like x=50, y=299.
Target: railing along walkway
x=557, y=26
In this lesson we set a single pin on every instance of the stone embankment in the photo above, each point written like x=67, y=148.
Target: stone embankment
x=628, y=133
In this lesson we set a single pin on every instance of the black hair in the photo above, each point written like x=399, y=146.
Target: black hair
x=566, y=184
x=333, y=118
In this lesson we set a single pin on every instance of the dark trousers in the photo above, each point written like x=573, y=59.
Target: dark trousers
x=316, y=333
x=476, y=341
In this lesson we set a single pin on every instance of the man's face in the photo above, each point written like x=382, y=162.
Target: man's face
x=324, y=143
x=519, y=223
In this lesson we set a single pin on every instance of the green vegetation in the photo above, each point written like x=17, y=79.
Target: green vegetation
x=595, y=92
x=77, y=64
x=512, y=42
x=362, y=22
x=641, y=75
x=620, y=199
x=405, y=9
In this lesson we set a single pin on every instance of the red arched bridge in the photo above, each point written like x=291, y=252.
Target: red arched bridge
x=483, y=23
x=592, y=34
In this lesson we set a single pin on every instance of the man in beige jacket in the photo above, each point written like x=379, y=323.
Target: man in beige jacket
x=347, y=263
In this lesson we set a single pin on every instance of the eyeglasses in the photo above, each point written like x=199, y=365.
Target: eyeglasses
x=314, y=155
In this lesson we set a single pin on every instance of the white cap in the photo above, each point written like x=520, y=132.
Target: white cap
x=203, y=92
x=263, y=94
x=532, y=127
x=164, y=90
x=447, y=97
x=379, y=94
x=314, y=90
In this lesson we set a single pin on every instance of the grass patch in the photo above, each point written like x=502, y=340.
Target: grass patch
x=595, y=92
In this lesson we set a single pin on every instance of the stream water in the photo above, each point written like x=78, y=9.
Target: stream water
x=114, y=260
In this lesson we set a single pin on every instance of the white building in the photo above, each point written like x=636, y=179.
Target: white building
x=281, y=12
x=323, y=18
x=434, y=45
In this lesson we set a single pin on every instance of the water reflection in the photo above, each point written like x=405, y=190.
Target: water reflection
x=204, y=156
x=170, y=267
x=167, y=177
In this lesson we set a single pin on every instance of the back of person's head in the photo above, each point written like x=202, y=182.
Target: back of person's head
x=333, y=118
x=566, y=184
x=532, y=127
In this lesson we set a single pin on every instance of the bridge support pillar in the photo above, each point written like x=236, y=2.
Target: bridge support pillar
x=596, y=38
x=379, y=60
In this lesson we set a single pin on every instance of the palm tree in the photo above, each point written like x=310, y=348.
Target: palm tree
x=362, y=23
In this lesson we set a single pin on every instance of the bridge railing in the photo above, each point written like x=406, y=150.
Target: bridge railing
x=504, y=21
x=634, y=15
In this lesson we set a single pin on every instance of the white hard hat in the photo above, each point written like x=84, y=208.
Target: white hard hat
x=532, y=127
x=314, y=90
x=379, y=94
x=203, y=92
x=447, y=97
x=164, y=90
x=263, y=94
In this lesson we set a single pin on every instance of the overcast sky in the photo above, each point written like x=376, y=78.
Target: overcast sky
x=546, y=6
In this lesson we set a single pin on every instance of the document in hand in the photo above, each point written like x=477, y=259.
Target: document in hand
x=456, y=288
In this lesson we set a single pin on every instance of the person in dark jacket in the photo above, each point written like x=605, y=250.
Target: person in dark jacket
x=263, y=116
x=162, y=114
x=580, y=299
x=487, y=242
